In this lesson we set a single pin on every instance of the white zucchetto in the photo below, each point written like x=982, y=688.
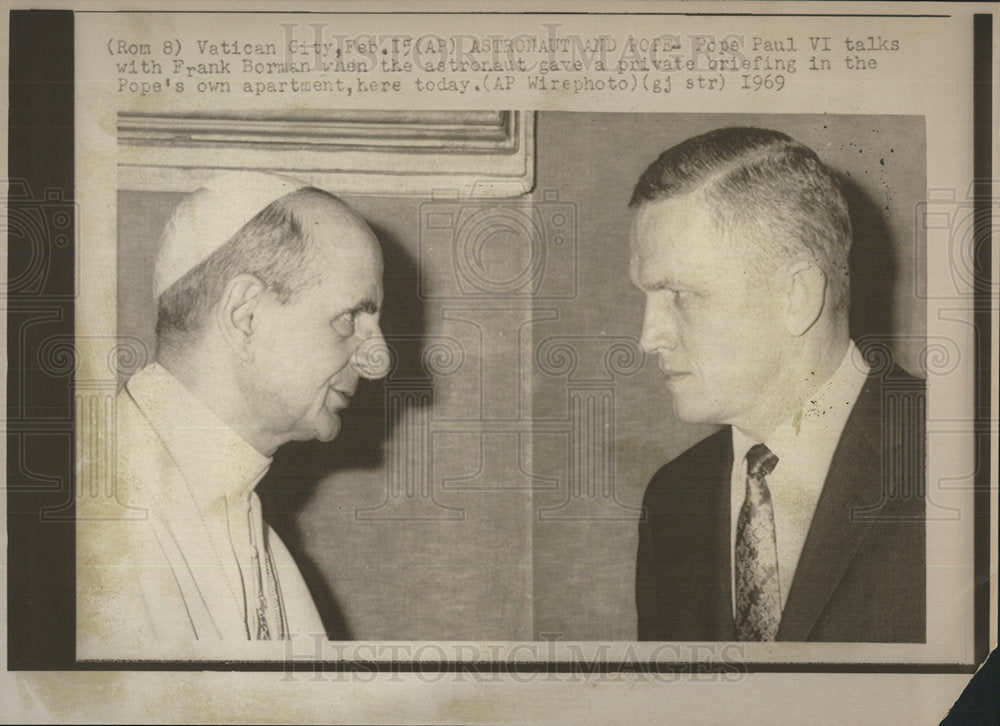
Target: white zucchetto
x=210, y=216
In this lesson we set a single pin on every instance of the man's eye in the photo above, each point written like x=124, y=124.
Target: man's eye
x=344, y=325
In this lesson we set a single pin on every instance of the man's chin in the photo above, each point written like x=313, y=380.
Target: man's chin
x=689, y=412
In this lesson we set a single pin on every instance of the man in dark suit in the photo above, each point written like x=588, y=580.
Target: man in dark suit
x=803, y=518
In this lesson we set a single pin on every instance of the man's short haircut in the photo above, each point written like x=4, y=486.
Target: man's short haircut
x=273, y=246
x=766, y=187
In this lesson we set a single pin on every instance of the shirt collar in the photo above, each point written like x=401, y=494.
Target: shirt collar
x=817, y=424
x=214, y=459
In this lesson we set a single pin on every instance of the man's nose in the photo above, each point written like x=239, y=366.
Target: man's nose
x=659, y=329
x=373, y=359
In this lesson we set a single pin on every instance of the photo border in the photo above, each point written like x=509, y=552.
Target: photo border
x=41, y=610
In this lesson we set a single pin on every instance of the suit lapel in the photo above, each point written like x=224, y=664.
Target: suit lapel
x=721, y=608
x=835, y=535
x=683, y=585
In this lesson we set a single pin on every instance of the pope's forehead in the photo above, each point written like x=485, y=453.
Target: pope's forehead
x=318, y=208
x=328, y=220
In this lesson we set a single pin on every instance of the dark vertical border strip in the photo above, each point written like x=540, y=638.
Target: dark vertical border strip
x=982, y=101
x=41, y=219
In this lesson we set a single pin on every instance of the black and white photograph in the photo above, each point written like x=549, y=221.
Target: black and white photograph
x=518, y=371
x=456, y=365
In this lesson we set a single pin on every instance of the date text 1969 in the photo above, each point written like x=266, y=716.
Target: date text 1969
x=762, y=82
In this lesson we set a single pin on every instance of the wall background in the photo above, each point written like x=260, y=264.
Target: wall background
x=488, y=488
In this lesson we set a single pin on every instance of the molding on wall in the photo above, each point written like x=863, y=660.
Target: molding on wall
x=469, y=153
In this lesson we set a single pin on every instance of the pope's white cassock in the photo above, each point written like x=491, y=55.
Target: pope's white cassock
x=180, y=555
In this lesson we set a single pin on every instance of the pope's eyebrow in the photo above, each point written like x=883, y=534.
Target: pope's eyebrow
x=365, y=306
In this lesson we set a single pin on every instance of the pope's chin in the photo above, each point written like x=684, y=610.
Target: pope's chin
x=322, y=424
x=326, y=428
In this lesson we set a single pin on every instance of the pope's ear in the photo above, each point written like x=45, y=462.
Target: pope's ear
x=236, y=309
x=806, y=295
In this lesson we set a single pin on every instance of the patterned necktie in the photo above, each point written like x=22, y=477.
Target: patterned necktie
x=758, y=593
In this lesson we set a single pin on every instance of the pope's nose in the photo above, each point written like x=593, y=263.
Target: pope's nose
x=373, y=359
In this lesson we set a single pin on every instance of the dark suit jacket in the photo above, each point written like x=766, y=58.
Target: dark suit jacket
x=861, y=575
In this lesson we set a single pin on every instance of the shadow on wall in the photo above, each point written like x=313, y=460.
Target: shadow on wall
x=300, y=466
x=872, y=267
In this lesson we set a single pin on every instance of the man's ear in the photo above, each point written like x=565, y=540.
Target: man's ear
x=235, y=312
x=806, y=295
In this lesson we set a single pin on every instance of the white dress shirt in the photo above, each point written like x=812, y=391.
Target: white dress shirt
x=804, y=444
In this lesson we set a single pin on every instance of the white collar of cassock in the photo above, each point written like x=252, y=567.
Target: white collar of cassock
x=218, y=462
